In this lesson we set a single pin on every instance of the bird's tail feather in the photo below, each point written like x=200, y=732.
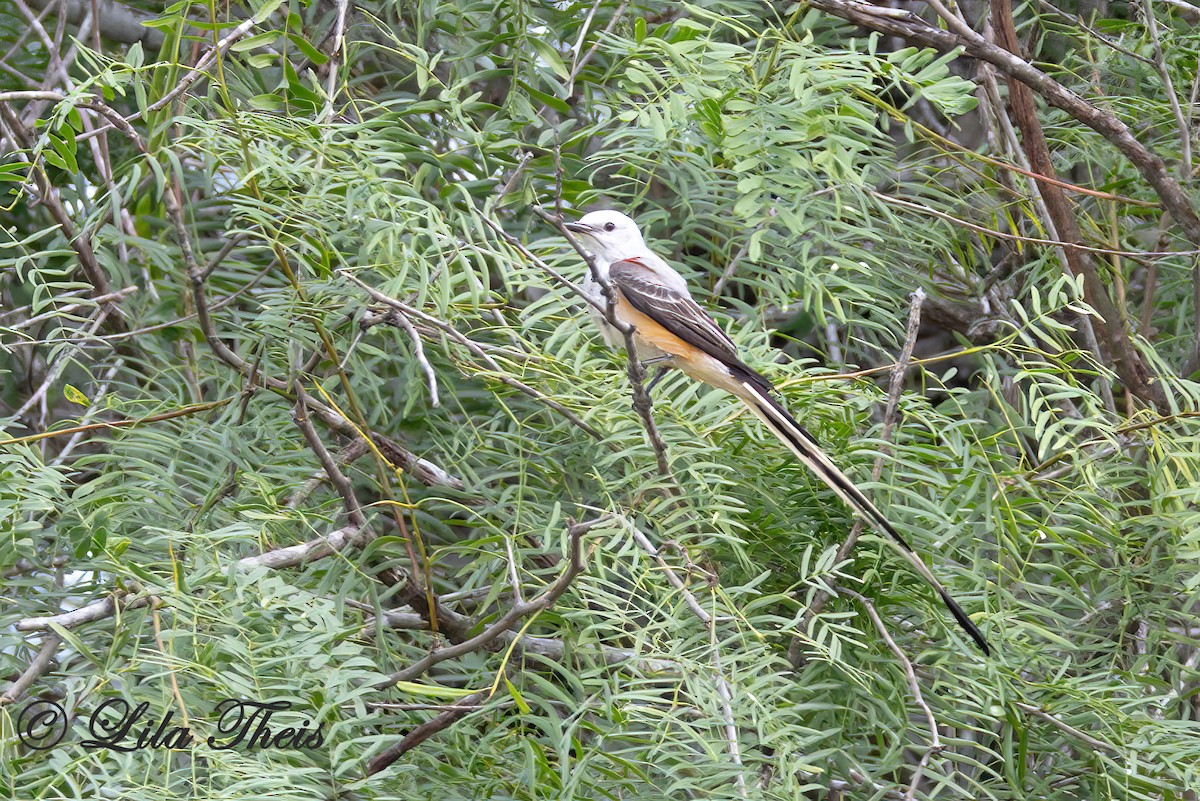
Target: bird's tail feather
x=806, y=449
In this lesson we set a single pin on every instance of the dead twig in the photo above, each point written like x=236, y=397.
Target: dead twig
x=1067, y=728
x=895, y=386
x=935, y=742
x=497, y=372
x=719, y=681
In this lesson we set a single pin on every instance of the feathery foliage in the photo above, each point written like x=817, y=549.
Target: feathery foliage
x=196, y=378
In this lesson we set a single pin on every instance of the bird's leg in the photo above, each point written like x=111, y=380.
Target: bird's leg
x=658, y=376
x=664, y=361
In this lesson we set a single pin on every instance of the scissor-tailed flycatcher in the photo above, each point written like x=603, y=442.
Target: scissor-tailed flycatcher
x=670, y=326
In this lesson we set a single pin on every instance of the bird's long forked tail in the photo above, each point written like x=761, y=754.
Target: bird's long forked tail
x=806, y=449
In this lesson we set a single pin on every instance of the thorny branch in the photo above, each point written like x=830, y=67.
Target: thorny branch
x=420, y=734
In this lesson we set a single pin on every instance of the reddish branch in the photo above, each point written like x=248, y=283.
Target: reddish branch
x=898, y=22
x=1129, y=364
x=914, y=29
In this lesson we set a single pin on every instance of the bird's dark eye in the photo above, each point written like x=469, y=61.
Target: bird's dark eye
x=610, y=226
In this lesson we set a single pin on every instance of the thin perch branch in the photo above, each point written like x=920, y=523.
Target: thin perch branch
x=637, y=373
x=895, y=387
x=935, y=742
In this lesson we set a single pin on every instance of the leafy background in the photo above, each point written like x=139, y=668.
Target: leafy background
x=197, y=203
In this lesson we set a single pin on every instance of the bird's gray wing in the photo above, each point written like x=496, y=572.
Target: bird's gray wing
x=673, y=310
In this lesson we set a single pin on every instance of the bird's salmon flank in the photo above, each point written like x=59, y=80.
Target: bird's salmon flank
x=670, y=325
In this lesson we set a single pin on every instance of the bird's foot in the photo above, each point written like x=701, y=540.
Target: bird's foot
x=658, y=376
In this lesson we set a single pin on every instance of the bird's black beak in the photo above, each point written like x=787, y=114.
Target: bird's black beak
x=578, y=227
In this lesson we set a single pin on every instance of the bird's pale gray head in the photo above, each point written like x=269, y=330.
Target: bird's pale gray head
x=609, y=234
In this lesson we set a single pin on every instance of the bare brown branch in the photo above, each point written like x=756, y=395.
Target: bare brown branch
x=935, y=741
x=912, y=28
x=40, y=666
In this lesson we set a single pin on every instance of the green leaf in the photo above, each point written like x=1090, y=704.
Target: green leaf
x=431, y=691
x=517, y=697
x=311, y=53
x=267, y=9
x=252, y=42
x=551, y=56
x=549, y=100
x=267, y=102
x=14, y=172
